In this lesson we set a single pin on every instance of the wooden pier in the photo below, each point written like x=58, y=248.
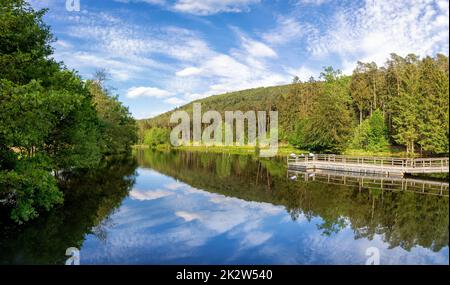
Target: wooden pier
x=379, y=165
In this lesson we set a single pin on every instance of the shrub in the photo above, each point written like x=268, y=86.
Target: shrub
x=371, y=135
x=156, y=136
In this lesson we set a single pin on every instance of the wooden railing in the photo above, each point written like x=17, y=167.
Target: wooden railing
x=438, y=162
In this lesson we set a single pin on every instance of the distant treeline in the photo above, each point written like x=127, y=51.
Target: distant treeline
x=403, y=103
x=51, y=121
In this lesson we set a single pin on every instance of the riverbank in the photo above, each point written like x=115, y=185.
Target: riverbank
x=283, y=150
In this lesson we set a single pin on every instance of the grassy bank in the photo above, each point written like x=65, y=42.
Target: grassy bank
x=283, y=150
x=433, y=176
x=390, y=152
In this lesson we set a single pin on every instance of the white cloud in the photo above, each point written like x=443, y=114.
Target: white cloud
x=63, y=44
x=121, y=39
x=189, y=71
x=135, y=92
x=303, y=73
x=187, y=216
x=225, y=66
x=287, y=29
x=195, y=96
x=255, y=238
x=153, y=2
x=257, y=49
x=86, y=60
x=220, y=65
x=201, y=7
x=313, y=2
x=378, y=28
x=40, y=4
x=175, y=101
x=242, y=68
x=224, y=73
x=174, y=185
x=130, y=53
x=209, y=7
x=146, y=114
x=149, y=195
x=105, y=42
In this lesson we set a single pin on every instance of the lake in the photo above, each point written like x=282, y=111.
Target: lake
x=202, y=208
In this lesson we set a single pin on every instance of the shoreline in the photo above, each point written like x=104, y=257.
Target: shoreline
x=283, y=150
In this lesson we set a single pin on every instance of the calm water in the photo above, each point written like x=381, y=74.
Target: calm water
x=179, y=207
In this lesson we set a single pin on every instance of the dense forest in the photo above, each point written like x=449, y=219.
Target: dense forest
x=51, y=120
x=403, y=103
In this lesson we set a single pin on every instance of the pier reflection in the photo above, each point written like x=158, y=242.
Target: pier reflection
x=373, y=181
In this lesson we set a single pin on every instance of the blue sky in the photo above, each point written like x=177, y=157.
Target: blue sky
x=164, y=53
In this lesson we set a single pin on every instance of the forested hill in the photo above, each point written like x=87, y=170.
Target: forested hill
x=251, y=99
x=402, y=103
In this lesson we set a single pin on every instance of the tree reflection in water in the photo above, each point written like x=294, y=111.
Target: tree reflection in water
x=90, y=197
x=404, y=219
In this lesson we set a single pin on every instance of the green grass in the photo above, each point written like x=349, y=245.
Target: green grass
x=283, y=150
x=220, y=149
x=391, y=152
x=137, y=146
x=434, y=176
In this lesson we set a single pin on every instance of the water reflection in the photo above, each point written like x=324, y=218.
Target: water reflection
x=402, y=219
x=90, y=198
x=373, y=181
x=197, y=208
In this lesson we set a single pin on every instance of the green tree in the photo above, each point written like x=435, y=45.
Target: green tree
x=298, y=136
x=118, y=127
x=25, y=43
x=49, y=123
x=372, y=74
x=29, y=188
x=371, y=134
x=331, y=123
x=156, y=136
x=394, y=70
x=434, y=106
x=359, y=90
x=405, y=108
